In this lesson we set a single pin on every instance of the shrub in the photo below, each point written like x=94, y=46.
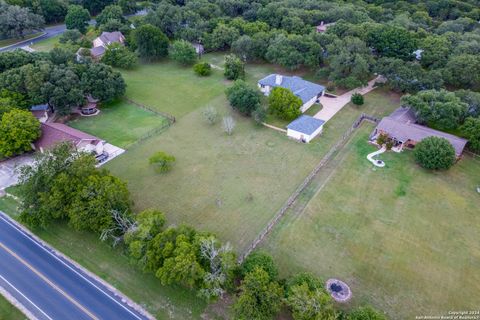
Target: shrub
x=331, y=86
x=357, y=99
x=259, y=115
x=260, y=259
x=471, y=130
x=234, y=68
x=243, y=98
x=284, y=104
x=435, y=153
x=228, y=125
x=202, y=69
x=210, y=115
x=366, y=313
x=182, y=52
x=389, y=144
x=382, y=139
x=163, y=162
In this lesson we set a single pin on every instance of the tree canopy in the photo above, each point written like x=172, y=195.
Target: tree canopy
x=77, y=18
x=435, y=153
x=18, y=129
x=243, y=98
x=441, y=109
x=16, y=21
x=284, y=104
x=234, y=68
x=182, y=52
x=150, y=42
x=64, y=184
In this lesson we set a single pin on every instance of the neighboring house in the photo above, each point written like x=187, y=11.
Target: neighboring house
x=418, y=54
x=101, y=43
x=305, y=128
x=307, y=91
x=107, y=38
x=402, y=128
x=54, y=133
x=41, y=111
x=322, y=27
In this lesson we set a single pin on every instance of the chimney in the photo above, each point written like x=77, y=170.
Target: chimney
x=278, y=79
x=321, y=23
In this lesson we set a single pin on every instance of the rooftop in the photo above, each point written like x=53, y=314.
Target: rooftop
x=54, y=133
x=305, y=124
x=303, y=89
x=109, y=37
x=97, y=51
x=39, y=107
x=401, y=126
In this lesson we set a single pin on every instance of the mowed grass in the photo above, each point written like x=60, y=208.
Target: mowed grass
x=8, y=311
x=114, y=266
x=47, y=44
x=229, y=185
x=170, y=88
x=405, y=239
x=119, y=123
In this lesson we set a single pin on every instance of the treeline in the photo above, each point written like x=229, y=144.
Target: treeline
x=55, y=78
x=367, y=37
x=64, y=185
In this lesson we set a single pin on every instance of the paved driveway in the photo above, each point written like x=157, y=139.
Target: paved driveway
x=8, y=170
x=332, y=105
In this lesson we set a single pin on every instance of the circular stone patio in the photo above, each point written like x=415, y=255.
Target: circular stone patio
x=339, y=290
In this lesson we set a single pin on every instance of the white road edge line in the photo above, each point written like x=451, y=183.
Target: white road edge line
x=68, y=266
x=11, y=285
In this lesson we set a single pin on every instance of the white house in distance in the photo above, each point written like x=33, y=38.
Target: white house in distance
x=305, y=128
x=307, y=91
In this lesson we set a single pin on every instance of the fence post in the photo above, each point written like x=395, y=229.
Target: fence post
x=281, y=212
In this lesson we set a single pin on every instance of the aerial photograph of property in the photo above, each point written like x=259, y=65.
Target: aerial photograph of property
x=239, y=159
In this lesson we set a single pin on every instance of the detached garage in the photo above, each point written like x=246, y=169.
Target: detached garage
x=305, y=128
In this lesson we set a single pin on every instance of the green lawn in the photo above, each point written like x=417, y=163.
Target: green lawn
x=230, y=185
x=47, y=44
x=170, y=88
x=403, y=238
x=120, y=123
x=8, y=311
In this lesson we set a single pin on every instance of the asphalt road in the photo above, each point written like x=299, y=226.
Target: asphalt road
x=51, y=287
x=49, y=33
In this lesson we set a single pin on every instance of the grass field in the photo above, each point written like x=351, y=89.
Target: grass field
x=403, y=238
x=216, y=184
x=170, y=88
x=113, y=265
x=119, y=123
x=47, y=44
x=8, y=311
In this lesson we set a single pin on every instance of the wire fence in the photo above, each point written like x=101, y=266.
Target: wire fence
x=149, y=134
x=281, y=212
x=170, y=117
